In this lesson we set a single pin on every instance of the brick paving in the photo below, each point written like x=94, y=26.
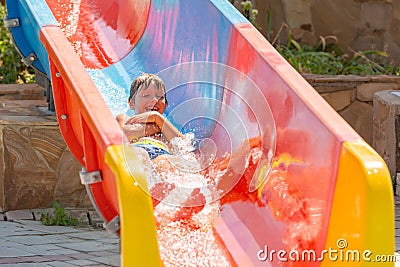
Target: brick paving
x=25, y=241
x=397, y=228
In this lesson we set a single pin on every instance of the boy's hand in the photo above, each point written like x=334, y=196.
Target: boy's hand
x=146, y=117
x=161, y=124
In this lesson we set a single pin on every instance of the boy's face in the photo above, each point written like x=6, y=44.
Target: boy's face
x=149, y=99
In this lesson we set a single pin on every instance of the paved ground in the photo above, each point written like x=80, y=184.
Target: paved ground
x=29, y=243
x=397, y=227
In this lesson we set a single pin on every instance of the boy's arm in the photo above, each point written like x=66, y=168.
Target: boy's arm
x=136, y=130
x=121, y=120
x=167, y=128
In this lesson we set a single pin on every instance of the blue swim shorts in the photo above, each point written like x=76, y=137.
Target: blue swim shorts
x=153, y=148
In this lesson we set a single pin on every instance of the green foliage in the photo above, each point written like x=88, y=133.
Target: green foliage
x=330, y=60
x=268, y=24
x=325, y=57
x=59, y=217
x=12, y=70
x=248, y=11
x=394, y=183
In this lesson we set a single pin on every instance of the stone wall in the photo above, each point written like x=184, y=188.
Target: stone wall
x=369, y=106
x=358, y=24
x=387, y=130
x=36, y=167
x=352, y=97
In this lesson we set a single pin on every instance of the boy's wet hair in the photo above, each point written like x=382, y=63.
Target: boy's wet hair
x=143, y=81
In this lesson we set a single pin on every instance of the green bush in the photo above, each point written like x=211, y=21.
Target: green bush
x=323, y=58
x=59, y=217
x=330, y=60
x=12, y=70
x=249, y=12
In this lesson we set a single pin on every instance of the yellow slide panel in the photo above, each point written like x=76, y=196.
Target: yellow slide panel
x=361, y=226
x=138, y=230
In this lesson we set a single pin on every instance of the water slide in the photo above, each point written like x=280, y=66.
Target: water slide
x=309, y=190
